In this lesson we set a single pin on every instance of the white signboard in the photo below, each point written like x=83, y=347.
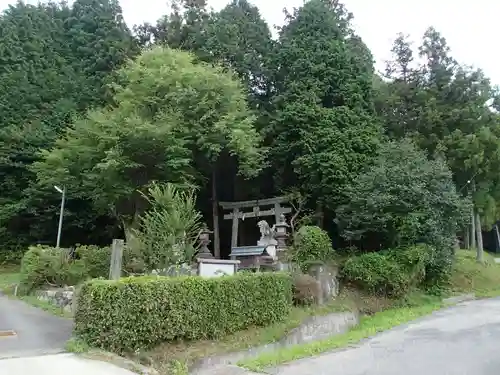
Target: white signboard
x=216, y=269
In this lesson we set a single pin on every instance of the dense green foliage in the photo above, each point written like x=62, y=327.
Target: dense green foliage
x=45, y=266
x=170, y=120
x=97, y=260
x=169, y=230
x=140, y=312
x=55, y=62
x=42, y=266
x=404, y=198
x=311, y=244
x=391, y=272
x=447, y=108
x=216, y=102
x=324, y=129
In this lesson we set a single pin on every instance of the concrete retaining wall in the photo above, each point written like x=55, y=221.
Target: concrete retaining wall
x=313, y=329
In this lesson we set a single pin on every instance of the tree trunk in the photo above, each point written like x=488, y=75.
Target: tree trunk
x=479, y=251
x=129, y=230
x=320, y=215
x=473, y=230
x=467, y=238
x=215, y=215
x=497, y=238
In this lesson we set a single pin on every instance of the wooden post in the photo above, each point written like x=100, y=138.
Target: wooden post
x=215, y=214
x=277, y=212
x=115, y=268
x=234, y=232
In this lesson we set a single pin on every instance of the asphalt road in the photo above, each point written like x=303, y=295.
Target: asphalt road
x=38, y=340
x=462, y=340
x=37, y=332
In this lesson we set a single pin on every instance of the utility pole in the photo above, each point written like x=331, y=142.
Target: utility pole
x=61, y=214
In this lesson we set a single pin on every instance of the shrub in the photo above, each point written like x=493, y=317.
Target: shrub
x=414, y=261
x=170, y=227
x=11, y=255
x=140, y=312
x=44, y=265
x=97, y=259
x=404, y=198
x=36, y=267
x=305, y=289
x=376, y=273
x=71, y=273
x=311, y=244
x=391, y=272
x=426, y=265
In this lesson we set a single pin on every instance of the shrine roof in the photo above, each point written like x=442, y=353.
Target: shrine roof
x=248, y=251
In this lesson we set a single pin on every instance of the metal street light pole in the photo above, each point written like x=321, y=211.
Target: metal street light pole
x=61, y=214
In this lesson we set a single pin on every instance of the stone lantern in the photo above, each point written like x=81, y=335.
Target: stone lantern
x=204, y=239
x=281, y=233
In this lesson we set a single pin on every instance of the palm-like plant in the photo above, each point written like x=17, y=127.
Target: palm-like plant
x=169, y=228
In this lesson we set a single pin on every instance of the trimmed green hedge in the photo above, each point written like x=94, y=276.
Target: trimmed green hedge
x=139, y=312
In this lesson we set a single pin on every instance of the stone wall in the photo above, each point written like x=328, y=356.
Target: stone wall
x=62, y=297
x=327, y=278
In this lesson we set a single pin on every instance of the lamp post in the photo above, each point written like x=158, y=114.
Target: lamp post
x=63, y=198
x=281, y=228
x=204, y=238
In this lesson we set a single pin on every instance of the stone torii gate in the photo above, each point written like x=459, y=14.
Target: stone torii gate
x=238, y=212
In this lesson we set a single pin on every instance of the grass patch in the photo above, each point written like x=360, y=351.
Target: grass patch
x=368, y=327
x=77, y=346
x=469, y=276
x=9, y=276
x=44, y=305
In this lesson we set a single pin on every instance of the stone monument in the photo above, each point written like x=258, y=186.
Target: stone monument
x=267, y=238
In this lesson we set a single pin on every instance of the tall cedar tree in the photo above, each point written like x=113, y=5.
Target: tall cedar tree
x=324, y=129
x=100, y=43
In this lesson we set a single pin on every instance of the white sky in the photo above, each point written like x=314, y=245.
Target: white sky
x=469, y=27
